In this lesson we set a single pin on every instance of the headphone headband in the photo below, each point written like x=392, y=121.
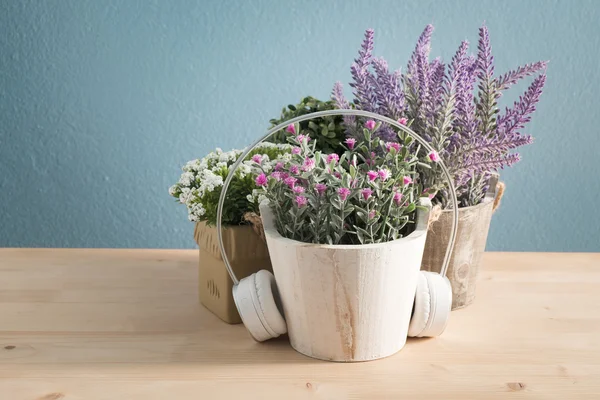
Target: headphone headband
x=358, y=113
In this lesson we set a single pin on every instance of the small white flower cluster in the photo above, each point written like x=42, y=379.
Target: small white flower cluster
x=256, y=197
x=202, y=176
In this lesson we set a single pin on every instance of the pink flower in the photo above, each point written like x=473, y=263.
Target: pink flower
x=333, y=157
x=309, y=164
x=366, y=193
x=290, y=181
x=353, y=183
x=302, y=138
x=298, y=189
x=344, y=193
x=398, y=198
x=402, y=121
x=433, y=156
x=392, y=145
x=384, y=174
x=257, y=158
x=279, y=166
x=350, y=142
x=261, y=180
x=431, y=196
x=284, y=175
x=291, y=129
x=370, y=124
x=296, y=150
x=407, y=180
x=372, y=175
x=337, y=175
x=276, y=175
x=301, y=201
x=371, y=214
x=294, y=170
x=320, y=188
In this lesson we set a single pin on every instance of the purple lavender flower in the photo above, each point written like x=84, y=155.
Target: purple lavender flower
x=363, y=92
x=337, y=95
x=516, y=117
x=388, y=90
x=510, y=78
x=485, y=60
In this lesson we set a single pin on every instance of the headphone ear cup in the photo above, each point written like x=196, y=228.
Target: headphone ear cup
x=435, y=290
x=254, y=299
x=267, y=299
x=421, y=308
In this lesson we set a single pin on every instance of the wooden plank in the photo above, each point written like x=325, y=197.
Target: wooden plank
x=126, y=324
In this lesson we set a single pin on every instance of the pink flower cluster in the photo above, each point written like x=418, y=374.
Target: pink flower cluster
x=343, y=193
x=366, y=193
x=301, y=201
x=320, y=188
x=308, y=165
x=370, y=124
x=261, y=180
x=383, y=174
x=350, y=142
x=333, y=157
x=392, y=145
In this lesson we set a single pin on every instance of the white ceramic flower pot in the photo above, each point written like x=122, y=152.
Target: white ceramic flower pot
x=346, y=302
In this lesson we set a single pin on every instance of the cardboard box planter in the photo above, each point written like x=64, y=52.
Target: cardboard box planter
x=247, y=254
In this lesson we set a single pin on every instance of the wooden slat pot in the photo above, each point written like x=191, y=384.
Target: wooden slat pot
x=247, y=254
x=348, y=302
x=473, y=227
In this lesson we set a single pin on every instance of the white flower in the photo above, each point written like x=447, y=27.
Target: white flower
x=250, y=198
x=261, y=198
x=185, y=194
x=186, y=178
x=245, y=168
x=172, y=190
x=192, y=217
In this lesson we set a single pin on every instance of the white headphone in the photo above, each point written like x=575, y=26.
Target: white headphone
x=257, y=298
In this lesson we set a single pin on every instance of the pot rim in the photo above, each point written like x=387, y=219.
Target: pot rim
x=483, y=203
x=272, y=233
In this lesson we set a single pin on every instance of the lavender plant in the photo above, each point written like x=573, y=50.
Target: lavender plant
x=454, y=107
x=199, y=186
x=366, y=195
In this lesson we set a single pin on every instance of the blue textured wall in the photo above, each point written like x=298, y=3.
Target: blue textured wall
x=102, y=101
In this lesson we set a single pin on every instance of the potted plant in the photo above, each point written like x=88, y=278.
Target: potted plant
x=199, y=188
x=345, y=236
x=455, y=108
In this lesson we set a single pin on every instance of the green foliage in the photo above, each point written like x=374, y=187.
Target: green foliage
x=328, y=132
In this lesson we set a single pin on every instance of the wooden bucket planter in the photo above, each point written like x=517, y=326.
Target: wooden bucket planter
x=347, y=302
x=473, y=227
x=247, y=254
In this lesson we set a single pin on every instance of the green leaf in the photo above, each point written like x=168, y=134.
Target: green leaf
x=291, y=107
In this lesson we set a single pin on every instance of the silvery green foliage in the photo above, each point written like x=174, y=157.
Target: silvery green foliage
x=366, y=195
x=199, y=186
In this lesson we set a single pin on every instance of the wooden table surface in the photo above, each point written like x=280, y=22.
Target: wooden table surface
x=126, y=324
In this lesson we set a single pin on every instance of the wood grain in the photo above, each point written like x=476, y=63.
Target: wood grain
x=126, y=324
x=346, y=303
